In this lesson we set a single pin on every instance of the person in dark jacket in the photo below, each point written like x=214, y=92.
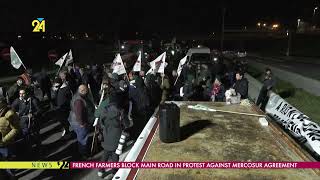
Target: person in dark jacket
x=44, y=82
x=81, y=116
x=139, y=104
x=187, y=70
x=175, y=88
x=268, y=84
x=188, y=88
x=110, y=119
x=68, y=75
x=62, y=109
x=153, y=90
x=241, y=85
x=13, y=92
x=218, y=90
x=28, y=109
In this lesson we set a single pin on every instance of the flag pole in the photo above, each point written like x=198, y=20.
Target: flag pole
x=176, y=80
x=23, y=65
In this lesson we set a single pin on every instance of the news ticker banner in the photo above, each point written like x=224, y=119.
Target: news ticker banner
x=155, y=165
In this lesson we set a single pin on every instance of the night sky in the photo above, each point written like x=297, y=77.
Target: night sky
x=150, y=16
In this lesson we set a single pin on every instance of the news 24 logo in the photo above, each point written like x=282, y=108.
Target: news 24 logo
x=63, y=164
x=39, y=24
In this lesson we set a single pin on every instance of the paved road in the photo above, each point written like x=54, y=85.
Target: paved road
x=311, y=70
x=56, y=148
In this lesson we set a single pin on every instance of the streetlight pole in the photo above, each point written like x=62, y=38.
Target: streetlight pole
x=313, y=17
x=289, y=43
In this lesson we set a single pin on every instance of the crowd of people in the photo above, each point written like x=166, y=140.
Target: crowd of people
x=80, y=94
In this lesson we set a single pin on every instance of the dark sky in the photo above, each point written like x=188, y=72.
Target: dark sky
x=149, y=16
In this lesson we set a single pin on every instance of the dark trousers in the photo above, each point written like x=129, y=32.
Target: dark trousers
x=62, y=117
x=262, y=98
x=4, y=154
x=110, y=156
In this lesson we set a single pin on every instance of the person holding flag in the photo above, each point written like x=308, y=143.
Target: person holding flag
x=153, y=88
x=180, y=67
x=16, y=63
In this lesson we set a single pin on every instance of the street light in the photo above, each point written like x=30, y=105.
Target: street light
x=258, y=24
x=264, y=24
x=313, y=17
x=314, y=10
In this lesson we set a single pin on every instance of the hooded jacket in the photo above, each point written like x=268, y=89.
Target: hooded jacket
x=9, y=126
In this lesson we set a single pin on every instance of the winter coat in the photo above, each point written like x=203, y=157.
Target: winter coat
x=241, y=87
x=110, y=121
x=9, y=127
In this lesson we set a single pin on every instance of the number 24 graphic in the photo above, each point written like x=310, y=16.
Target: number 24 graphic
x=39, y=25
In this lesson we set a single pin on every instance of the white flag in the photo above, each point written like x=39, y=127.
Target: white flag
x=15, y=59
x=137, y=65
x=158, y=64
x=180, y=66
x=69, y=58
x=61, y=60
x=118, y=66
x=163, y=64
x=114, y=62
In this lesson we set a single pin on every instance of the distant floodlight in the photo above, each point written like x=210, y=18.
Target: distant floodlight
x=199, y=46
x=215, y=59
x=258, y=24
x=122, y=47
x=145, y=53
x=19, y=36
x=172, y=52
x=264, y=24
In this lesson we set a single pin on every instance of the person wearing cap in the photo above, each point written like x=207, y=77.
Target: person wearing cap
x=218, y=90
x=9, y=129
